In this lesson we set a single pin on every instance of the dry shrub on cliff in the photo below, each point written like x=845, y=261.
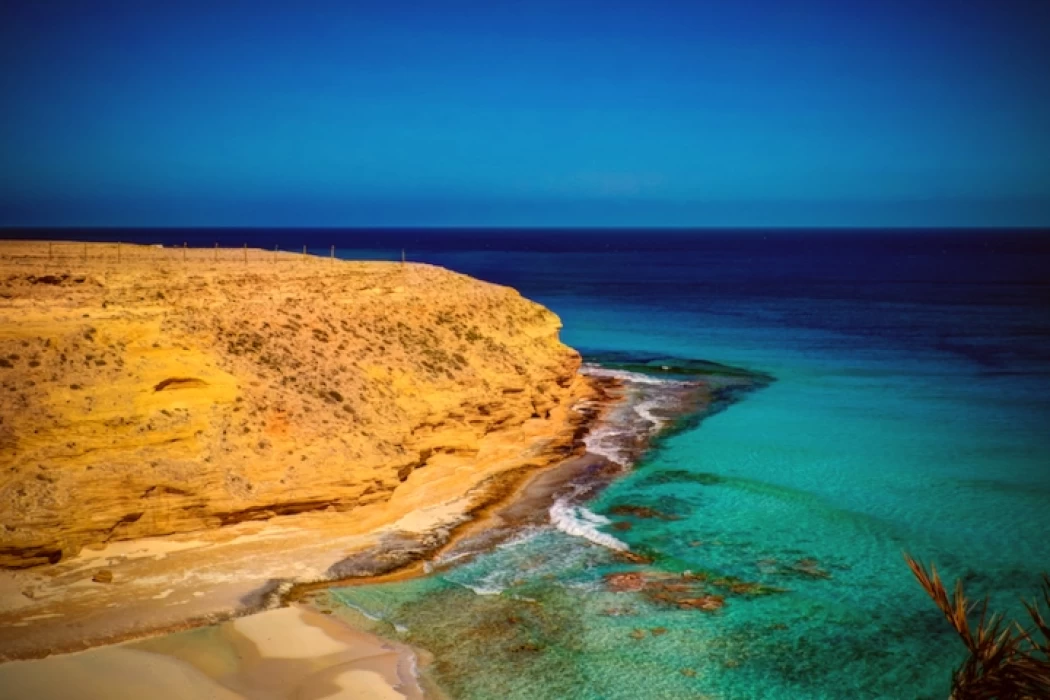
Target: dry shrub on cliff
x=1004, y=660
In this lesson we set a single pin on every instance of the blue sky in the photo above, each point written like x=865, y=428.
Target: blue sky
x=745, y=113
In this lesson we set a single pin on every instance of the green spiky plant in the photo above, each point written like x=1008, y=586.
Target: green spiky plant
x=1004, y=660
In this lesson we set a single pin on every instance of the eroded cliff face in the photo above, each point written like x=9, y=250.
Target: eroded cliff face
x=160, y=396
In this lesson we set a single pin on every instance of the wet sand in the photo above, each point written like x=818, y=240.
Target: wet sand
x=293, y=652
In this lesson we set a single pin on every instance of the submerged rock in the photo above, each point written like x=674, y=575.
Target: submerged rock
x=678, y=476
x=707, y=602
x=686, y=591
x=810, y=567
x=621, y=582
x=632, y=557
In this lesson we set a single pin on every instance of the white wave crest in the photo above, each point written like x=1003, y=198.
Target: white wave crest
x=483, y=590
x=645, y=410
x=624, y=375
x=443, y=560
x=521, y=537
x=601, y=441
x=492, y=583
x=580, y=522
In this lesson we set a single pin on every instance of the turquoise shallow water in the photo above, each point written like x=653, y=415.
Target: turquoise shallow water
x=909, y=412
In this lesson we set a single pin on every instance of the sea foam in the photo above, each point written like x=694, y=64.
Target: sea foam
x=580, y=522
x=598, y=440
x=645, y=411
x=624, y=375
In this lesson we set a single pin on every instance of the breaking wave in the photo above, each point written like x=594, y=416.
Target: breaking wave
x=624, y=375
x=579, y=522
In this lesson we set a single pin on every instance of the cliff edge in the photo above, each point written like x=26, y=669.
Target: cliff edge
x=175, y=391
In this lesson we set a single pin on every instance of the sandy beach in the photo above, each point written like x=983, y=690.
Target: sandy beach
x=293, y=652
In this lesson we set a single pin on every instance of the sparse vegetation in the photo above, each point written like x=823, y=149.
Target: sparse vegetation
x=353, y=364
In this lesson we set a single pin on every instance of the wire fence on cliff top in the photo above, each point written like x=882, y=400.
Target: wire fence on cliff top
x=117, y=253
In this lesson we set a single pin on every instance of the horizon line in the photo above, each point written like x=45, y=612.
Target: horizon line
x=475, y=227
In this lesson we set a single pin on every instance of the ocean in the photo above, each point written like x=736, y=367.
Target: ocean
x=909, y=412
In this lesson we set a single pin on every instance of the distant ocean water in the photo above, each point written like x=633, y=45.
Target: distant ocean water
x=910, y=412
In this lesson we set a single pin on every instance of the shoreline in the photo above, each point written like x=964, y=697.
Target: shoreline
x=571, y=485
x=528, y=498
x=499, y=522
x=166, y=650
x=513, y=499
x=215, y=493
x=487, y=499
x=460, y=498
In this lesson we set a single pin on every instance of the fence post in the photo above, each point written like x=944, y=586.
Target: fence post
x=245, y=253
x=49, y=244
x=333, y=253
x=184, y=251
x=216, y=252
x=304, y=253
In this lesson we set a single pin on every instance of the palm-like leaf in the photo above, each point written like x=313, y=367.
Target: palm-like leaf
x=1005, y=661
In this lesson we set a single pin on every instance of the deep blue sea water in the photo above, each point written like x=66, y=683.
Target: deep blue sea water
x=910, y=412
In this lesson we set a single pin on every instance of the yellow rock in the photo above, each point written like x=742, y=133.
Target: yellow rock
x=158, y=396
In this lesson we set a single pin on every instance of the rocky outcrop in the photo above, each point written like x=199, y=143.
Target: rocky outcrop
x=162, y=396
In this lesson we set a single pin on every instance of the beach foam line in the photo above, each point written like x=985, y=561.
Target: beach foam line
x=635, y=377
x=481, y=590
x=521, y=537
x=645, y=411
x=374, y=617
x=579, y=522
x=595, y=442
x=492, y=583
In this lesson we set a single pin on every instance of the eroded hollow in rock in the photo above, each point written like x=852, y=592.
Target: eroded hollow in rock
x=179, y=383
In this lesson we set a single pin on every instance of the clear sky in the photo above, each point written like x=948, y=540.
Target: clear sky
x=549, y=112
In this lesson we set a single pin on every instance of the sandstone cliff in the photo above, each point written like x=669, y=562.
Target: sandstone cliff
x=173, y=393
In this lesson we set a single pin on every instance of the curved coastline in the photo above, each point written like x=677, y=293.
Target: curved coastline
x=650, y=409
x=284, y=455
x=612, y=412
x=636, y=413
x=520, y=500
x=390, y=555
